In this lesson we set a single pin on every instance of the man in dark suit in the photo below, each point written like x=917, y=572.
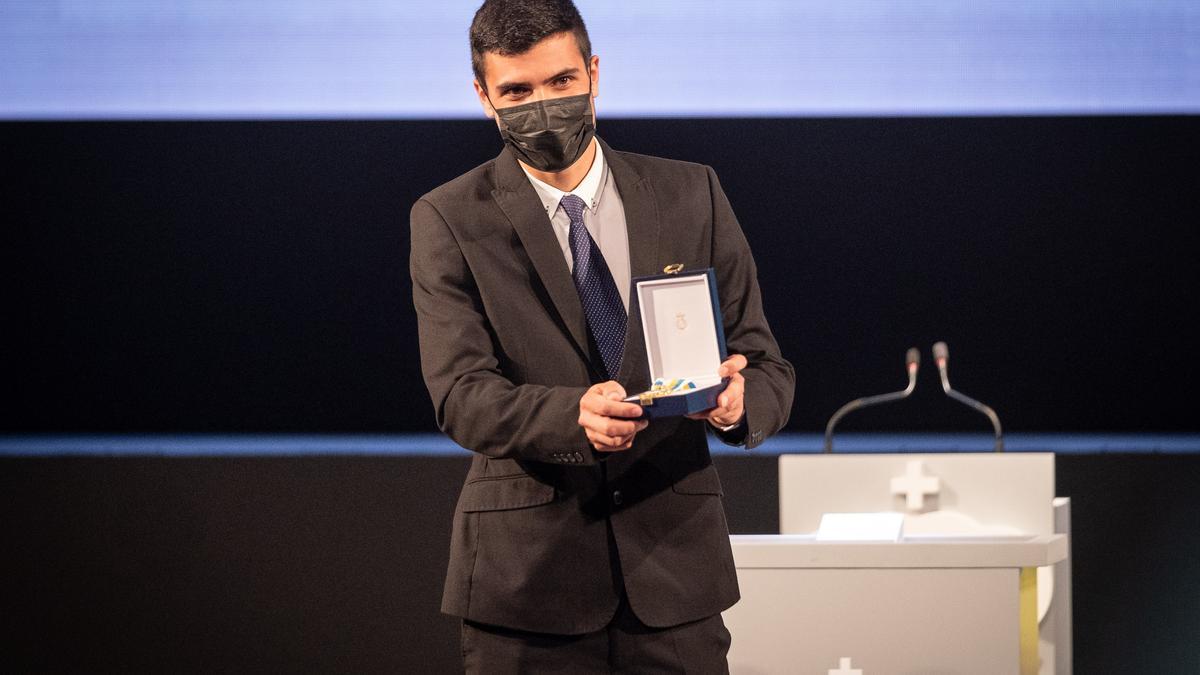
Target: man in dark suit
x=585, y=539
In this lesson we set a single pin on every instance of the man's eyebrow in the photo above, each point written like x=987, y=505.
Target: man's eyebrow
x=568, y=71
x=505, y=87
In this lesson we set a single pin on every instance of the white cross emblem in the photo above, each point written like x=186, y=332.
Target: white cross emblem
x=844, y=668
x=914, y=485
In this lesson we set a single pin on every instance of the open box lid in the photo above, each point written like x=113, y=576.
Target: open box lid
x=681, y=322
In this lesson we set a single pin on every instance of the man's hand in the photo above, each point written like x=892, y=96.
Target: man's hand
x=605, y=417
x=729, y=404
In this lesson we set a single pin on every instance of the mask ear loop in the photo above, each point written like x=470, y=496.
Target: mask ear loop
x=495, y=115
x=591, y=99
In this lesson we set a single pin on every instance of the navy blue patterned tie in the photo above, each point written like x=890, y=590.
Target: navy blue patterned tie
x=602, y=304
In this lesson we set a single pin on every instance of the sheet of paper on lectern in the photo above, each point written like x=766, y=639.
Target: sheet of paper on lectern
x=885, y=526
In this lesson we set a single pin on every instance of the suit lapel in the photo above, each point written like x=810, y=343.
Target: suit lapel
x=520, y=203
x=641, y=213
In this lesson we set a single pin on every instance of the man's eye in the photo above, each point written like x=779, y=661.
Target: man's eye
x=564, y=80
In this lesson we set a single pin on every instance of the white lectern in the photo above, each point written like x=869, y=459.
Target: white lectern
x=960, y=592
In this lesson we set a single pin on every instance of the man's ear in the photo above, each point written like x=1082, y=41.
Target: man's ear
x=594, y=73
x=483, y=100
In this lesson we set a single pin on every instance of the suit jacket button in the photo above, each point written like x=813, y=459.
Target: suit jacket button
x=617, y=497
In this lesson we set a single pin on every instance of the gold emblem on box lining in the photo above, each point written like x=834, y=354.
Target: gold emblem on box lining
x=680, y=321
x=673, y=268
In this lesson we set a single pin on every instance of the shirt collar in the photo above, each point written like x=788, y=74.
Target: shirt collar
x=588, y=189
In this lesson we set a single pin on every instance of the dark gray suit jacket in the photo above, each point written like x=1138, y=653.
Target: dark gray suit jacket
x=506, y=356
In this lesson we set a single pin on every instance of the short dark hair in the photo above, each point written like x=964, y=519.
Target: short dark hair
x=510, y=27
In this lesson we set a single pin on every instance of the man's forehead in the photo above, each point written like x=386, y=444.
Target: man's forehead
x=548, y=57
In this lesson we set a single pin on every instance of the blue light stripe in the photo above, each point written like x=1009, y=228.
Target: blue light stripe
x=289, y=445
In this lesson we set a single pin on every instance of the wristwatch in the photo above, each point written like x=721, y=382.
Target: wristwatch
x=730, y=427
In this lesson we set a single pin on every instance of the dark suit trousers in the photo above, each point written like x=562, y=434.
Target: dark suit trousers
x=626, y=645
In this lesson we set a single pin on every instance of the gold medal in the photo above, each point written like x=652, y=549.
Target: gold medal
x=662, y=388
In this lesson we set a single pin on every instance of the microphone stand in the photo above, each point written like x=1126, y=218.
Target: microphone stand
x=941, y=355
x=911, y=360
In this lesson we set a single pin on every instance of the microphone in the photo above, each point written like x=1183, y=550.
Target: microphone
x=912, y=359
x=941, y=356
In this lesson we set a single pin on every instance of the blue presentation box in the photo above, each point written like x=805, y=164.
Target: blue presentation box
x=685, y=340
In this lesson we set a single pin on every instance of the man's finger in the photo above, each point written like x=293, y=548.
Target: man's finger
x=616, y=408
x=608, y=442
x=598, y=435
x=607, y=389
x=625, y=429
x=733, y=393
x=607, y=426
x=732, y=365
x=595, y=402
x=602, y=442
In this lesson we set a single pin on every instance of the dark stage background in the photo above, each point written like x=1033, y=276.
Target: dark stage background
x=252, y=276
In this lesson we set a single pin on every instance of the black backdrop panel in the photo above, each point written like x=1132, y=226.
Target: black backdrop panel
x=252, y=276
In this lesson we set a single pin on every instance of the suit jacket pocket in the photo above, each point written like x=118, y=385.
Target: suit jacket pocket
x=703, y=481
x=501, y=493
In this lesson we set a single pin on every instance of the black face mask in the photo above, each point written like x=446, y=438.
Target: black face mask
x=548, y=135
